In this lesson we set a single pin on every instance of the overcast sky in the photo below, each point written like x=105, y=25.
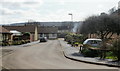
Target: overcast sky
x=15, y=11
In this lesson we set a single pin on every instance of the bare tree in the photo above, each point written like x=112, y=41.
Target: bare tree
x=102, y=25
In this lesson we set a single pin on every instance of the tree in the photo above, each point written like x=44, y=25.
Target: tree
x=102, y=25
x=89, y=26
x=116, y=22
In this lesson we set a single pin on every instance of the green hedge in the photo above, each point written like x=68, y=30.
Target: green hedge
x=6, y=43
x=20, y=42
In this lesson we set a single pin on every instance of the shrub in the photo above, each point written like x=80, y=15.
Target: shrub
x=5, y=42
x=27, y=41
x=86, y=51
x=16, y=42
x=78, y=38
x=22, y=41
x=89, y=53
x=110, y=55
x=116, y=49
x=76, y=43
x=74, y=38
x=69, y=38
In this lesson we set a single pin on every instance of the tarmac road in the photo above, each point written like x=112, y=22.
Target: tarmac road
x=48, y=55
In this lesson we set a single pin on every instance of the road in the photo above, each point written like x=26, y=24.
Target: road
x=48, y=55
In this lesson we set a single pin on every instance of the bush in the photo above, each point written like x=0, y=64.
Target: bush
x=76, y=43
x=5, y=42
x=22, y=41
x=69, y=38
x=27, y=41
x=86, y=51
x=78, y=38
x=110, y=55
x=89, y=53
x=116, y=49
x=16, y=43
x=74, y=39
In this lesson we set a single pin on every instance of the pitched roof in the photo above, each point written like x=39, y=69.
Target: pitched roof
x=3, y=30
x=47, y=29
x=27, y=28
x=31, y=29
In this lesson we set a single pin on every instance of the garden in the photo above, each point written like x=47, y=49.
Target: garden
x=105, y=27
x=110, y=51
x=17, y=40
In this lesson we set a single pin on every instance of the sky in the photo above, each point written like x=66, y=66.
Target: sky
x=17, y=11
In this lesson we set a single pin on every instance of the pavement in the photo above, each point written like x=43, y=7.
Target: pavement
x=74, y=54
x=23, y=45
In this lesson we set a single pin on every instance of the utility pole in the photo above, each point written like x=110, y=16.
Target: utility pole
x=71, y=21
x=119, y=8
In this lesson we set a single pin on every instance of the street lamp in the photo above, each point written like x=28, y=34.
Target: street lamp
x=119, y=8
x=71, y=16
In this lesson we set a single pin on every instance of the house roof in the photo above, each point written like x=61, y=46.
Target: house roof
x=3, y=30
x=47, y=30
x=31, y=29
x=27, y=28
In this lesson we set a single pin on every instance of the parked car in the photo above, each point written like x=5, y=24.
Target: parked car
x=93, y=42
x=43, y=39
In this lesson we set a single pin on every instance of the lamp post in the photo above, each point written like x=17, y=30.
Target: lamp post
x=119, y=5
x=71, y=16
x=119, y=8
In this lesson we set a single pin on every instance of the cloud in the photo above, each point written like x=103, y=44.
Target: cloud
x=51, y=10
x=20, y=1
x=9, y=12
x=12, y=0
x=18, y=10
x=19, y=4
